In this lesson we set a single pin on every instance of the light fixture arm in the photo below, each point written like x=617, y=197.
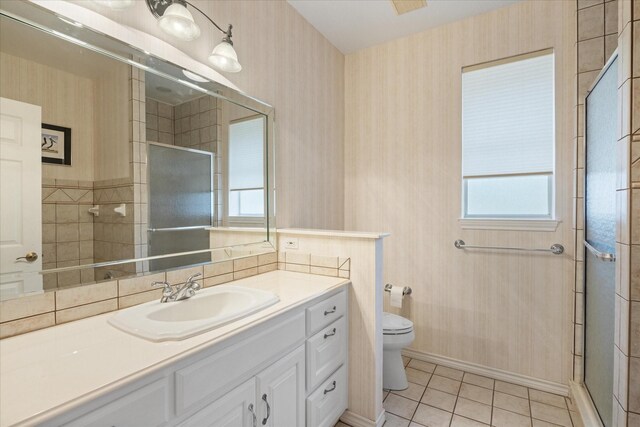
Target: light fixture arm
x=227, y=34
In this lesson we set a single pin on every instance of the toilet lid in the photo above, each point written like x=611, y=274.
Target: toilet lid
x=394, y=323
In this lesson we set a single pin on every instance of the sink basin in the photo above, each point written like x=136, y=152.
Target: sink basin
x=208, y=309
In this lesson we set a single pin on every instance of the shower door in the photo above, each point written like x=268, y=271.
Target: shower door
x=599, y=244
x=180, y=204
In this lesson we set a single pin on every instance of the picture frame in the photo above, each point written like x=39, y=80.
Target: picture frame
x=56, y=144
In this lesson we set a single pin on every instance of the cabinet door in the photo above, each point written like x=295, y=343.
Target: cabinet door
x=236, y=409
x=281, y=392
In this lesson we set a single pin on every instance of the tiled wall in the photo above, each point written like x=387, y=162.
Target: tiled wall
x=195, y=124
x=627, y=337
x=159, y=121
x=603, y=26
x=307, y=263
x=67, y=230
x=113, y=233
x=21, y=315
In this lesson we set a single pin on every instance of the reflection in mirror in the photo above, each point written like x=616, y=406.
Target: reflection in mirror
x=130, y=165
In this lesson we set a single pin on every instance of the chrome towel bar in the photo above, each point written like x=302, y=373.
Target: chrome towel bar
x=555, y=249
x=602, y=256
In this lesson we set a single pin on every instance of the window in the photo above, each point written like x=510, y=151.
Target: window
x=508, y=138
x=246, y=168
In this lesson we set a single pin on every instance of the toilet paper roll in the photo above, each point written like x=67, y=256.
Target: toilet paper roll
x=396, y=296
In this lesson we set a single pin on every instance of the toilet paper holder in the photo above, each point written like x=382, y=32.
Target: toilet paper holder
x=405, y=291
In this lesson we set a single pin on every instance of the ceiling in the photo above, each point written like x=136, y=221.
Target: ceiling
x=351, y=25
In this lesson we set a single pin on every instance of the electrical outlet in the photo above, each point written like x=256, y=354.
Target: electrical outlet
x=291, y=243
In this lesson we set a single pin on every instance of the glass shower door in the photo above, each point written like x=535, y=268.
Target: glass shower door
x=599, y=244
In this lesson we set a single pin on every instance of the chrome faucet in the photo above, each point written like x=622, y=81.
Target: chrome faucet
x=186, y=291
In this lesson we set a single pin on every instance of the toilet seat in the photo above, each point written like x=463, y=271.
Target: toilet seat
x=392, y=324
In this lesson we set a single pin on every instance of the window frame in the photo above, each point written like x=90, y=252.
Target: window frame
x=245, y=220
x=499, y=221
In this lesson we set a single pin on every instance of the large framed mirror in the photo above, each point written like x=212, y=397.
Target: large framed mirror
x=142, y=166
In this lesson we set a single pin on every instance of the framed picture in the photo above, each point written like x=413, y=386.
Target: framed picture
x=56, y=144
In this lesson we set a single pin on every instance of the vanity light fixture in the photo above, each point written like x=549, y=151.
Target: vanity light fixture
x=175, y=19
x=116, y=4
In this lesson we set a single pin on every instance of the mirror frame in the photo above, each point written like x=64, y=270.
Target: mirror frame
x=57, y=25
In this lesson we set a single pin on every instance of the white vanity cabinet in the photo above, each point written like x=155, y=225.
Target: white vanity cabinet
x=288, y=371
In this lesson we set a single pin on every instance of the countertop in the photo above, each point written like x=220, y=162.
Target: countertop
x=50, y=371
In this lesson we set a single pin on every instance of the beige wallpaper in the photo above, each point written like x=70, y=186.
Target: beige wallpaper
x=66, y=99
x=288, y=64
x=504, y=310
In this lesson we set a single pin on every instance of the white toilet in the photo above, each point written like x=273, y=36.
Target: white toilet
x=397, y=334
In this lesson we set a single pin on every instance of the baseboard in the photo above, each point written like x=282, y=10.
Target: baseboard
x=356, y=420
x=585, y=406
x=499, y=374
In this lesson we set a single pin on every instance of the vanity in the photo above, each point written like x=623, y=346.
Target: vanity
x=283, y=366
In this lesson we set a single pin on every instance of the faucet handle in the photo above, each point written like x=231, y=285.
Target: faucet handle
x=167, y=291
x=193, y=276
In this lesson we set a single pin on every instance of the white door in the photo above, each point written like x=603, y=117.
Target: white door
x=20, y=198
x=235, y=409
x=281, y=392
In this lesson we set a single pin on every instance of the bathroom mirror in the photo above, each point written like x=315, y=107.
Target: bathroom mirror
x=138, y=159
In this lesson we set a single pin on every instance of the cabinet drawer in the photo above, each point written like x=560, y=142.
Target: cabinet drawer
x=329, y=401
x=326, y=351
x=220, y=371
x=236, y=409
x=146, y=406
x=325, y=312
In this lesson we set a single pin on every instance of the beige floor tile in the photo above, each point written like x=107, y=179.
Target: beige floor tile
x=341, y=424
x=414, y=424
x=551, y=414
x=385, y=393
x=502, y=418
x=459, y=421
x=444, y=384
x=395, y=421
x=417, y=377
x=513, y=389
x=405, y=360
x=432, y=417
x=439, y=399
x=478, y=380
x=414, y=392
x=422, y=366
x=477, y=393
x=400, y=406
x=539, y=423
x=454, y=374
x=474, y=410
x=511, y=403
x=548, y=398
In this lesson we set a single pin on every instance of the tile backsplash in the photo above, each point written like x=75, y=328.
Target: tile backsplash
x=30, y=313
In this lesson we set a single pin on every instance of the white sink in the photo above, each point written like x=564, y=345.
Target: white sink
x=208, y=309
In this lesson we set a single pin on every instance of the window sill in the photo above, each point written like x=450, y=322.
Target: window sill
x=509, y=224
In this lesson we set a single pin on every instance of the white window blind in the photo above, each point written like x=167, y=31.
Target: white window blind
x=246, y=140
x=508, y=118
x=246, y=168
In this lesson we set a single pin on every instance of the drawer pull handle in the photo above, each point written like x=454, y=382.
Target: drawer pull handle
x=330, y=389
x=264, y=397
x=253, y=414
x=333, y=310
x=330, y=334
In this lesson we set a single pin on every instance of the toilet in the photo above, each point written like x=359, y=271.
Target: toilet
x=397, y=334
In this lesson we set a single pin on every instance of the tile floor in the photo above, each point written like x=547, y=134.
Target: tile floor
x=443, y=397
